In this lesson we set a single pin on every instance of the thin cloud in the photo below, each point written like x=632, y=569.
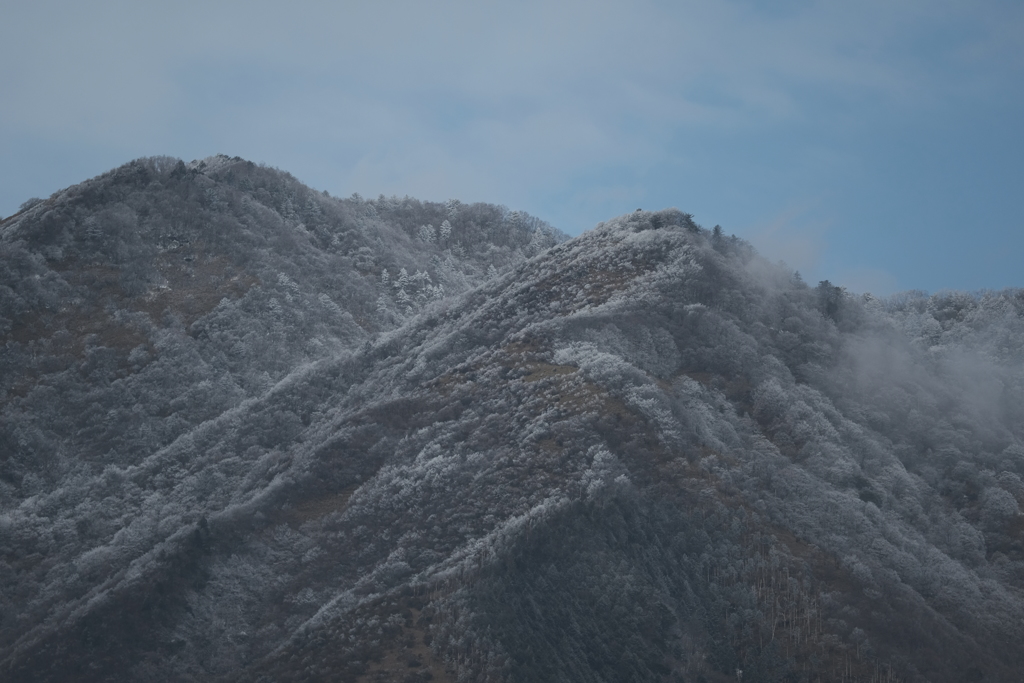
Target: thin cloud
x=793, y=237
x=116, y=63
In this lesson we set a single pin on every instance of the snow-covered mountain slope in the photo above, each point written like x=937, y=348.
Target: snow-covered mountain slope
x=159, y=295
x=642, y=454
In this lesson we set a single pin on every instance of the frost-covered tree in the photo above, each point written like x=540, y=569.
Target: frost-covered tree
x=403, y=279
x=452, y=208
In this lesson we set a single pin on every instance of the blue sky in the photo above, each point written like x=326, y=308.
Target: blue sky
x=878, y=144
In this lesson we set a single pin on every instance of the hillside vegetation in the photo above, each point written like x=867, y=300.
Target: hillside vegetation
x=252, y=432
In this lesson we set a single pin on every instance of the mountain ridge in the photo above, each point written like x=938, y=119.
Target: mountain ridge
x=641, y=454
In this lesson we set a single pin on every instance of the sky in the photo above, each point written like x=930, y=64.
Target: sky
x=878, y=144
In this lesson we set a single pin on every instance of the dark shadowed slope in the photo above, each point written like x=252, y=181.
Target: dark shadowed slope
x=643, y=454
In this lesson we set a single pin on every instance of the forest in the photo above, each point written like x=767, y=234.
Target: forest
x=252, y=431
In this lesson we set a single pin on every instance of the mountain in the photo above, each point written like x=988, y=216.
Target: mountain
x=233, y=450
x=155, y=297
